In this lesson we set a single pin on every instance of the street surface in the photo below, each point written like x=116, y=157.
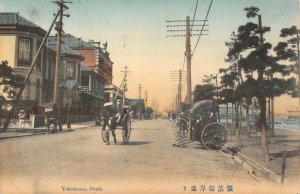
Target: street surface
x=80, y=160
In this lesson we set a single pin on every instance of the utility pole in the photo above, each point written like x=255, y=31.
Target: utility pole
x=125, y=89
x=188, y=33
x=178, y=76
x=58, y=46
x=146, y=98
x=180, y=89
x=140, y=89
x=59, y=28
x=188, y=60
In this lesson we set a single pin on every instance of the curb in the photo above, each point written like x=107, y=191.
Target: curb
x=44, y=133
x=258, y=171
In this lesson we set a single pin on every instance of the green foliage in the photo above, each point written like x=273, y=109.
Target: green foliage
x=251, y=11
x=9, y=80
x=204, y=92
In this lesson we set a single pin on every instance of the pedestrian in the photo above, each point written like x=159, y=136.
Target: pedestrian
x=22, y=117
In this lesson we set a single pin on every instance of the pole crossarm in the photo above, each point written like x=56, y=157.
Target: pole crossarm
x=170, y=21
x=183, y=35
x=185, y=25
x=183, y=30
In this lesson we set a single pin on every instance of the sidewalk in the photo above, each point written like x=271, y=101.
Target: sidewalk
x=249, y=153
x=14, y=131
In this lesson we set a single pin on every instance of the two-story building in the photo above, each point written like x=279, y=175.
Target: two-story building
x=96, y=70
x=69, y=74
x=19, y=42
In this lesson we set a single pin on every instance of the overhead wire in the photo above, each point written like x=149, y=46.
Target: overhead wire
x=202, y=28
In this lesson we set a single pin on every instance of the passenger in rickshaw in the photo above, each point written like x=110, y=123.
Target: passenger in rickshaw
x=119, y=111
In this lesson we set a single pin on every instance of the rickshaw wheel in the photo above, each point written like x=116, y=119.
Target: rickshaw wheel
x=105, y=135
x=126, y=132
x=214, y=136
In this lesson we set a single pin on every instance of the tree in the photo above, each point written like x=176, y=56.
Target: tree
x=250, y=39
x=204, y=92
x=10, y=82
x=286, y=51
x=227, y=89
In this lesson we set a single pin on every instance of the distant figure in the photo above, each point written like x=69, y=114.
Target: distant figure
x=22, y=117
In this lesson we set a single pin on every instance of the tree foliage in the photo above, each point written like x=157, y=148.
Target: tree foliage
x=9, y=80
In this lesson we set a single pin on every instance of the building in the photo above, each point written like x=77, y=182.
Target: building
x=69, y=75
x=91, y=88
x=98, y=61
x=19, y=42
x=112, y=92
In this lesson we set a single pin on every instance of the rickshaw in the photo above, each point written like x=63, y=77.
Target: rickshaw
x=51, y=120
x=202, y=118
x=110, y=123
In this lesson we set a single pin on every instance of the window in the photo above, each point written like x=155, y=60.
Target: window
x=24, y=51
x=38, y=62
x=70, y=71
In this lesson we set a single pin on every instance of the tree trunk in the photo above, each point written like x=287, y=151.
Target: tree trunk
x=7, y=121
x=237, y=127
x=241, y=114
x=232, y=114
x=248, y=121
x=272, y=132
x=227, y=114
x=262, y=100
x=264, y=130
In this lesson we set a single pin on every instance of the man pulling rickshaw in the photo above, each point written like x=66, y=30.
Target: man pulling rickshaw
x=114, y=116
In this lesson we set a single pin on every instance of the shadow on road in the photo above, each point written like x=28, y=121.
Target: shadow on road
x=138, y=143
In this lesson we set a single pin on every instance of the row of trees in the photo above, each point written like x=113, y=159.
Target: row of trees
x=256, y=70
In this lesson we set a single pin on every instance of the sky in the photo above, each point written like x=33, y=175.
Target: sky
x=140, y=25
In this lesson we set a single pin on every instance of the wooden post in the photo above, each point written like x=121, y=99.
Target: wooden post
x=188, y=60
x=283, y=167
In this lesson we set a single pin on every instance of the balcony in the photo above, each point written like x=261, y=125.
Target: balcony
x=94, y=93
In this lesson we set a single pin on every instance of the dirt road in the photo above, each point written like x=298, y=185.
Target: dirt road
x=79, y=162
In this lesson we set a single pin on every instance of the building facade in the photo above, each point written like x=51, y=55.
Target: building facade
x=19, y=42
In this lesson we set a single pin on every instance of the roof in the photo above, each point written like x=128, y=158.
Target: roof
x=65, y=50
x=74, y=42
x=78, y=44
x=14, y=19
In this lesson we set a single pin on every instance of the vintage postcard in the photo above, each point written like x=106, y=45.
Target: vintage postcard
x=149, y=96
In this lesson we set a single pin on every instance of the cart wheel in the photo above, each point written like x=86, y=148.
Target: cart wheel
x=126, y=132
x=105, y=135
x=214, y=136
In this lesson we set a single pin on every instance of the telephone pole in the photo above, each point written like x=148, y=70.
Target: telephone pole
x=146, y=98
x=188, y=33
x=125, y=89
x=180, y=89
x=140, y=89
x=188, y=60
x=177, y=76
x=59, y=28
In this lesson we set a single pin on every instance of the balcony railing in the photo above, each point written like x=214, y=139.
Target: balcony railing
x=96, y=93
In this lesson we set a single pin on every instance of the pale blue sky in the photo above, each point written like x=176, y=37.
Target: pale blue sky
x=143, y=23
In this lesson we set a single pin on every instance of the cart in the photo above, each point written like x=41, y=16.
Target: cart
x=110, y=123
x=202, y=118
